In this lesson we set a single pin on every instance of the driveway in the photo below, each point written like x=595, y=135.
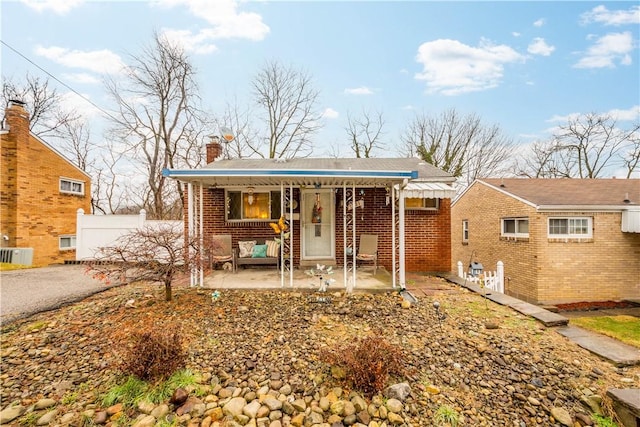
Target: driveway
x=29, y=291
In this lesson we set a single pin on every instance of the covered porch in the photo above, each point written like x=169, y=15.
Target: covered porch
x=352, y=196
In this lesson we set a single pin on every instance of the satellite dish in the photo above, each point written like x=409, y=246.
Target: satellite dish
x=227, y=134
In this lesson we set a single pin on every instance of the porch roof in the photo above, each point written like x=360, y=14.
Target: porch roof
x=311, y=171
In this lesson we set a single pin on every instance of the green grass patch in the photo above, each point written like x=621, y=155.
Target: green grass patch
x=602, y=421
x=134, y=390
x=623, y=328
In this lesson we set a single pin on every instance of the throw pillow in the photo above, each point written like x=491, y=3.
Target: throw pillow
x=273, y=248
x=246, y=248
x=259, y=251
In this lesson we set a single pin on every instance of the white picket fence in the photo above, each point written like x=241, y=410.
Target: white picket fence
x=493, y=280
x=95, y=231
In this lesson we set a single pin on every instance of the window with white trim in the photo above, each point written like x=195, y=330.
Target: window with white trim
x=571, y=227
x=71, y=186
x=515, y=227
x=421, y=203
x=465, y=230
x=67, y=242
x=250, y=205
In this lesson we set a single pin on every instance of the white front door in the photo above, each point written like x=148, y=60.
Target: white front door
x=318, y=224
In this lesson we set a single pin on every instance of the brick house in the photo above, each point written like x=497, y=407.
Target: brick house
x=561, y=240
x=405, y=201
x=40, y=192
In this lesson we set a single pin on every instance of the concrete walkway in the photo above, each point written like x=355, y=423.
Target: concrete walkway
x=613, y=350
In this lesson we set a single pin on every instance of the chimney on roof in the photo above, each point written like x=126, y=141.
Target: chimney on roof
x=626, y=198
x=16, y=122
x=502, y=182
x=214, y=148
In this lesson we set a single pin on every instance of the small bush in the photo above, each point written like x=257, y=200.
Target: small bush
x=367, y=363
x=446, y=416
x=154, y=354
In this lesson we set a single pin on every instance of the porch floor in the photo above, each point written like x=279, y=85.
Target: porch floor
x=266, y=278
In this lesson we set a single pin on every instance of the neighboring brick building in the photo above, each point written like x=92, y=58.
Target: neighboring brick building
x=241, y=197
x=40, y=193
x=561, y=240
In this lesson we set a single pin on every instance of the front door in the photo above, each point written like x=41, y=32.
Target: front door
x=318, y=224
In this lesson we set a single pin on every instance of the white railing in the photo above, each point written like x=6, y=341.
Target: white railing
x=493, y=280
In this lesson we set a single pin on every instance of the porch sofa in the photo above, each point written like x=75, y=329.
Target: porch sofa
x=246, y=254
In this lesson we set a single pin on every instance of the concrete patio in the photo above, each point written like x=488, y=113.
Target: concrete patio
x=269, y=278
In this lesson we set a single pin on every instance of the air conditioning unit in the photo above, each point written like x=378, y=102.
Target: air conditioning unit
x=22, y=256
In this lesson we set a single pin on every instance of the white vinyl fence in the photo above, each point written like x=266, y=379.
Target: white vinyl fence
x=95, y=231
x=493, y=280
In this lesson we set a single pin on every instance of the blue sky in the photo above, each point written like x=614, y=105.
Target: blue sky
x=525, y=66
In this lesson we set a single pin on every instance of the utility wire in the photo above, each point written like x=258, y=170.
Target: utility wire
x=58, y=80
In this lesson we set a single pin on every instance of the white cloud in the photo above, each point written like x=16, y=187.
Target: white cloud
x=408, y=107
x=196, y=43
x=607, y=50
x=539, y=23
x=362, y=90
x=82, y=78
x=602, y=15
x=516, y=34
x=452, y=68
x=330, y=113
x=631, y=114
x=540, y=47
x=226, y=21
x=79, y=104
x=98, y=61
x=60, y=7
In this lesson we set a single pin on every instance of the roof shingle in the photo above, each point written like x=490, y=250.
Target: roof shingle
x=570, y=192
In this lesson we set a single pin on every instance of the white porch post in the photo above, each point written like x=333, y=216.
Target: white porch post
x=393, y=236
x=201, y=240
x=291, y=234
x=190, y=226
x=401, y=232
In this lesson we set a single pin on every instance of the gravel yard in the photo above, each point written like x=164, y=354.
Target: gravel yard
x=251, y=347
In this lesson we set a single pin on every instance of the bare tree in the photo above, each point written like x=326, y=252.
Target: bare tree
x=155, y=254
x=364, y=133
x=460, y=145
x=46, y=112
x=588, y=146
x=159, y=122
x=239, y=120
x=289, y=101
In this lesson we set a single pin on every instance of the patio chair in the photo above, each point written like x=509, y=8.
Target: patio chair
x=221, y=251
x=368, y=250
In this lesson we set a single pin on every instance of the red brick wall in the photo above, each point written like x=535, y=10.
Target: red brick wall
x=428, y=237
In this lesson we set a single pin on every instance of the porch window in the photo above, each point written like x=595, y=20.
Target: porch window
x=67, y=242
x=253, y=205
x=71, y=186
x=465, y=231
x=570, y=227
x=515, y=227
x=422, y=203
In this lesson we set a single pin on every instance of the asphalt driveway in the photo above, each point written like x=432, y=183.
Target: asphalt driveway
x=29, y=291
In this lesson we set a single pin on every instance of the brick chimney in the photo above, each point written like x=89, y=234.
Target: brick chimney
x=14, y=133
x=214, y=149
x=16, y=121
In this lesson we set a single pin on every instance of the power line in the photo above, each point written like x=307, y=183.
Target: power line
x=58, y=80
